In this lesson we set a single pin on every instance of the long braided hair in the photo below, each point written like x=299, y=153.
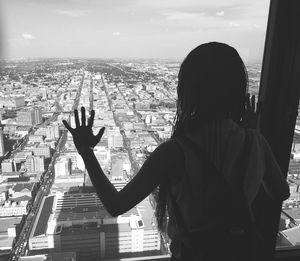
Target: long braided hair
x=212, y=84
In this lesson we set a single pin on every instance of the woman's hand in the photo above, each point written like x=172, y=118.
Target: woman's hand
x=83, y=136
x=251, y=113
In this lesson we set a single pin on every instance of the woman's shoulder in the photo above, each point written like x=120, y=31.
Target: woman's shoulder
x=170, y=147
x=171, y=150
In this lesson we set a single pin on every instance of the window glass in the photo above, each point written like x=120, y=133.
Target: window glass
x=289, y=235
x=120, y=58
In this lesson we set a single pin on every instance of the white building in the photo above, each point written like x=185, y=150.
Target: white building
x=2, y=151
x=52, y=132
x=89, y=230
x=8, y=165
x=62, y=167
x=114, y=138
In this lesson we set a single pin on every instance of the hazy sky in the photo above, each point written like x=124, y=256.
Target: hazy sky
x=129, y=28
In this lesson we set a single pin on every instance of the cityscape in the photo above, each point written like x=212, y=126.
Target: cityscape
x=48, y=205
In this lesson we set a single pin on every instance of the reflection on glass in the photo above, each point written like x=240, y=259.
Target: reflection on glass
x=289, y=230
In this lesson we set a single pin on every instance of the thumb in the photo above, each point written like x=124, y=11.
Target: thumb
x=100, y=133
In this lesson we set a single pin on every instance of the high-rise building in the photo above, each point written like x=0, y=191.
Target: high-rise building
x=114, y=138
x=8, y=165
x=29, y=117
x=118, y=141
x=38, y=116
x=35, y=164
x=2, y=150
x=1, y=115
x=35, y=138
x=79, y=162
x=52, y=132
x=25, y=118
x=117, y=167
x=44, y=94
x=62, y=167
x=43, y=150
x=103, y=156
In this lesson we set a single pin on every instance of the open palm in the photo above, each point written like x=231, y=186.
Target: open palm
x=83, y=136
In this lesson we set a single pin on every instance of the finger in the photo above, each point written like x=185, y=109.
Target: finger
x=248, y=101
x=253, y=103
x=91, y=119
x=67, y=126
x=258, y=106
x=83, y=119
x=100, y=133
x=76, y=118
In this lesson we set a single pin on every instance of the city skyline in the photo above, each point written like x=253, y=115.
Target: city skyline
x=131, y=29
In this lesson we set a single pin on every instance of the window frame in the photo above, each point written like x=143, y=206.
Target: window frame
x=279, y=100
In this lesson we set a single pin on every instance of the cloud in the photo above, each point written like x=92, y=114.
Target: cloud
x=72, y=13
x=27, y=36
x=116, y=33
x=234, y=24
x=187, y=21
x=182, y=16
x=220, y=13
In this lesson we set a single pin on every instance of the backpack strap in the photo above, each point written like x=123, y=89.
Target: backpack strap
x=237, y=193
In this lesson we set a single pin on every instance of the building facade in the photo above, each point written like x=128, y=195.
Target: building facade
x=8, y=165
x=2, y=150
x=35, y=164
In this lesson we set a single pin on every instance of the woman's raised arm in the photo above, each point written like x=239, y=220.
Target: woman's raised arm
x=165, y=161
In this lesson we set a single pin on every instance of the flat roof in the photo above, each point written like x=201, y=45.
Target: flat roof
x=292, y=235
x=18, y=179
x=88, y=212
x=6, y=242
x=123, y=227
x=21, y=186
x=68, y=215
x=83, y=229
x=41, y=226
x=8, y=222
x=293, y=213
x=147, y=213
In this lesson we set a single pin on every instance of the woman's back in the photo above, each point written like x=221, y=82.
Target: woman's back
x=201, y=199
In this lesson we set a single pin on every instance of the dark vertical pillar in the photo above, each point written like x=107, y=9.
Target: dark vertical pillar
x=279, y=94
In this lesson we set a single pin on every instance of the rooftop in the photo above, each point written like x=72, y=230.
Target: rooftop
x=43, y=218
x=18, y=179
x=21, y=186
x=8, y=222
x=85, y=229
x=292, y=235
x=294, y=213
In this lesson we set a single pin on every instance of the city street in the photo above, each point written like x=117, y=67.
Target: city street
x=21, y=246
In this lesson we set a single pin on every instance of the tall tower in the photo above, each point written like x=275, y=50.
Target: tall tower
x=2, y=151
x=116, y=167
x=38, y=116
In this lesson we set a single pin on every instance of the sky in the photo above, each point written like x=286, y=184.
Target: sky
x=129, y=28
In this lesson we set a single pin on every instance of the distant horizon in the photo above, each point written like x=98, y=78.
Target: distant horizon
x=258, y=60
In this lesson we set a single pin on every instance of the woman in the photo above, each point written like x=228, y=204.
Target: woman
x=212, y=91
